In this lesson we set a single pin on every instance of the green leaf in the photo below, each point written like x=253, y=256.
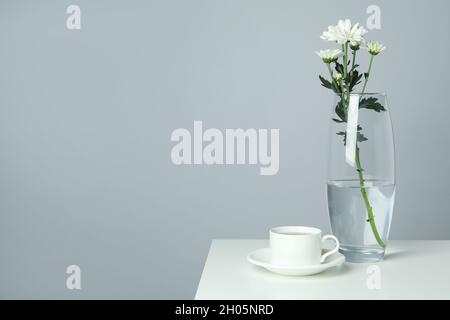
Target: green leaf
x=337, y=120
x=371, y=103
x=330, y=85
x=355, y=78
x=325, y=83
x=336, y=87
x=360, y=137
x=340, y=111
x=344, y=136
x=339, y=67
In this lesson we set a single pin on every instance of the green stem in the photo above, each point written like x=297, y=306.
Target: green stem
x=371, y=217
x=345, y=59
x=344, y=84
x=330, y=71
x=367, y=74
x=353, y=60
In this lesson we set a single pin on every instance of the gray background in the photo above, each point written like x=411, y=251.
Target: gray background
x=86, y=117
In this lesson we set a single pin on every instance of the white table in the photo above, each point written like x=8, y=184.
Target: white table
x=411, y=270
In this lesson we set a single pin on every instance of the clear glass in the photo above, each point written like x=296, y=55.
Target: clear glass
x=361, y=175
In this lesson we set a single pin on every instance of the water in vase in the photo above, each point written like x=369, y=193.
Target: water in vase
x=349, y=217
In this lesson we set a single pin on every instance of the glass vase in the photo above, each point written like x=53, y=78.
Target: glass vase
x=361, y=175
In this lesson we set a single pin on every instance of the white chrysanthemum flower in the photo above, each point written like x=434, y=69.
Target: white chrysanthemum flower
x=374, y=47
x=344, y=32
x=338, y=76
x=329, y=55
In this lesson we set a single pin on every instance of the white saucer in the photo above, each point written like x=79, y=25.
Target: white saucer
x=261, y=258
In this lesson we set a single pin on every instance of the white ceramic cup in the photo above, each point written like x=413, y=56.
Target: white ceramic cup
x=299, y=246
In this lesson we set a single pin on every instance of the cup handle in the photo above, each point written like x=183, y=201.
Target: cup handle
x=328, y=253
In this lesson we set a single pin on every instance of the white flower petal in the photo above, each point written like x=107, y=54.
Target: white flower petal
x=374, y=47
x=344, y=32
x=329, y=55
